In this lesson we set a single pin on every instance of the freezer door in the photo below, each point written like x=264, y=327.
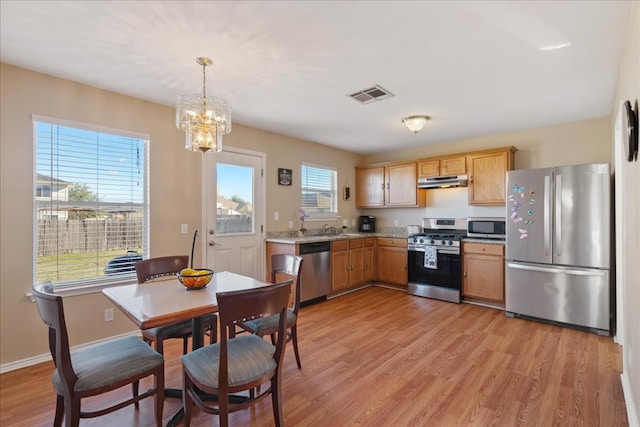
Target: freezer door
x=529, y=213
x=577, y=296
x=582, y=203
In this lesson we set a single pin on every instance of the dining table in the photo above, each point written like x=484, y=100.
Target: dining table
x=167, y=301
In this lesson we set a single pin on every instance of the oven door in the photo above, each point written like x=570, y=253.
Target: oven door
x=447, y=275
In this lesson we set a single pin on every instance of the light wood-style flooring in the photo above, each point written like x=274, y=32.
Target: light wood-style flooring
x=380, y=357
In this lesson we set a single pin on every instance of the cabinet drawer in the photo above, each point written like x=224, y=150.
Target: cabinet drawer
x=389, y=241
x=369, y=241
x=484, y=248
x=356, y=243
x=340, y=245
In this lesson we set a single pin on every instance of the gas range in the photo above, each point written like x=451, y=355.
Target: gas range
x=436, y=239
x=434, y=266
x=439, y=232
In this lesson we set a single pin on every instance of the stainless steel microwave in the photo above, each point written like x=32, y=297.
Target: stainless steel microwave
x=488, y=228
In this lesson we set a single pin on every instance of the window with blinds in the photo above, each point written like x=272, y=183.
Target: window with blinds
x=90, y=203
x=319, y=191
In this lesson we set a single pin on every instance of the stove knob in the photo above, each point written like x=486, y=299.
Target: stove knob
x=421, y=240
x=450, y=242
x=433, y=241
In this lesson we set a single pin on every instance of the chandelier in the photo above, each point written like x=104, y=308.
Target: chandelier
x=415, y=123
x=204, y=119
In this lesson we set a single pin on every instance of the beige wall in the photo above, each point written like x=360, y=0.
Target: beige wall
x=175, y=193
x=628, y=227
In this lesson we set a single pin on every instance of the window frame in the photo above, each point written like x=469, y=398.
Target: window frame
x=319, y=216
x=95, y=283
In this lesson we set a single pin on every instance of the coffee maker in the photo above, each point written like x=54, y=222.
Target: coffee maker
x=367, y=224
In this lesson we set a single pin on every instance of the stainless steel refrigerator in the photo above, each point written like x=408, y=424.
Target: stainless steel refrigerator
x=558, y=245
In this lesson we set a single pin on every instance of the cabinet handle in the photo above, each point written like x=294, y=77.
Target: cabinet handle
x=484, y=249
x=470, y=178
x=464, y=274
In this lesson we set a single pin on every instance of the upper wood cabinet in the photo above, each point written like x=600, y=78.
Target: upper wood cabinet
x=388, y=186
x=487, y=176
x=442, y=167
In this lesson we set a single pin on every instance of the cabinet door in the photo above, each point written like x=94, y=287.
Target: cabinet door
x=369, y=271
x=483, y=277
x=401, y=185
x=391, y=265
x=356, y=274
x=339, y=270
x=428, y=168
x=370, y=187
x=487, y=175
x=453, y=166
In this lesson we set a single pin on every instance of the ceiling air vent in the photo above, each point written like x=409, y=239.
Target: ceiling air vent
x=375, y=93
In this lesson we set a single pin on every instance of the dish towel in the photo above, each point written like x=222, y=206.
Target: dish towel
x=431, y=257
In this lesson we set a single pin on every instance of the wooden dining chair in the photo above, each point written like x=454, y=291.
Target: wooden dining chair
x=154, y=268
x=97, y=368
x=242, y=363
x=282, y=266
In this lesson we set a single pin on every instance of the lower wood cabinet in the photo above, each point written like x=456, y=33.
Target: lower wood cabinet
x=391, y=261
x=483, y=271
x=347, y=263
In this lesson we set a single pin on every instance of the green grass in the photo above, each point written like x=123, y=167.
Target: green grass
x=69, y=267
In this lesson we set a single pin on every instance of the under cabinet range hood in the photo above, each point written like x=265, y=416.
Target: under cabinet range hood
x=443, y=181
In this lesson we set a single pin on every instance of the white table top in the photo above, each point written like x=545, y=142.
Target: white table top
x=160, y=303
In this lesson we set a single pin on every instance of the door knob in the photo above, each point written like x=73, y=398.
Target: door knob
x=213, y=243
x=212, y=231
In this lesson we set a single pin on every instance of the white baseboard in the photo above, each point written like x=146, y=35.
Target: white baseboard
x=632, y=411
x=24, y=363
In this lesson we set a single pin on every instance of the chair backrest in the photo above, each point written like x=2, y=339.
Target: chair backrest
x=240, y=306
x=288, y=265
x=52, y=314
x=153, y=268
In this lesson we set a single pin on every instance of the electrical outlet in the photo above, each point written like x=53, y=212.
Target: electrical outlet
x=276, y=215
x=345, y=222
x=108, y=314
x=290, y=225
x=184, y=228
x=395, y=222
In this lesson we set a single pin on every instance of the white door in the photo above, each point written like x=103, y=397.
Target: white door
x=235, y=212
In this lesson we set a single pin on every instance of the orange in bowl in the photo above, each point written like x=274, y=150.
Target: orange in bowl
x=195, y=279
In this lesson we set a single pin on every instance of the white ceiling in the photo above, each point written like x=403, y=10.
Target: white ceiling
x=287, y=67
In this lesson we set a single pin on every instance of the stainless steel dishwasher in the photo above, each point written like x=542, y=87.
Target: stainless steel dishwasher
x=315, y=278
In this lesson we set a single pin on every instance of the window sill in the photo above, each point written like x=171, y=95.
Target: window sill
x=72, y=291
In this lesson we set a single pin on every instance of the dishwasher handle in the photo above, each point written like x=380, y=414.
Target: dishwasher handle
x=314, y=247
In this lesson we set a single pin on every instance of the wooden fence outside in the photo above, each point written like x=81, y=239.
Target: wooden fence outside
x=57, y=237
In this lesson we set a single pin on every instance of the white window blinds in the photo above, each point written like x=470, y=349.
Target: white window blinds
x=90, y=202
x=319, y=194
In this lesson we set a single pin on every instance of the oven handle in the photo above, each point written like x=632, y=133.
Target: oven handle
x=451, y=251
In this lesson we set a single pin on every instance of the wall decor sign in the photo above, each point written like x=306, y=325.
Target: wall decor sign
x=284, y=176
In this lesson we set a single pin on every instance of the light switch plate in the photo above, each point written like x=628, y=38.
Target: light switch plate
x=184, y=228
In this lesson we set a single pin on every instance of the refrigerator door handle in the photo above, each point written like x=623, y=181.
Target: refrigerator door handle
x=547, y=213
x=557, y=226
x=571, y=271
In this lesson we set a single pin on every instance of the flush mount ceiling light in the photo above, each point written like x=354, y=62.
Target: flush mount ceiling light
x=415, y=123
x=204, y=119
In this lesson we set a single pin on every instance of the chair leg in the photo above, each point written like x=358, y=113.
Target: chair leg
x=160, y=346
x=185, y=344
x=275, y=400
x=158, y=402
x=294, y=338
x=187, y=404
x=223, y=410
x=72, y=412
x=57, y=421
x=136, y=387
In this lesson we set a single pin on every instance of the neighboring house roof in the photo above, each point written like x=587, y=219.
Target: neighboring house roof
x=234, y=208
x=45, y=179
